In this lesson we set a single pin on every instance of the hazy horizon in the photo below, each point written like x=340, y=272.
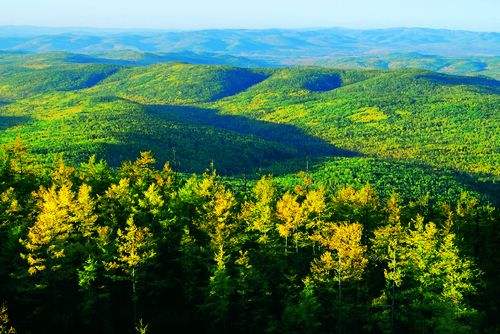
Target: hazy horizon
x=305, y=28
x=257, y=15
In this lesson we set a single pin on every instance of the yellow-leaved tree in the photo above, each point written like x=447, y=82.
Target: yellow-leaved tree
x=299, y=218
x=134, y=248
x=65, y=220
x=344, y=258
x=259, y=213
x=5, y=324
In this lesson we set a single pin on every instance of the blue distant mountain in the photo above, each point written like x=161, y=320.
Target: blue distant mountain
x=278, y=43
x=449, y=51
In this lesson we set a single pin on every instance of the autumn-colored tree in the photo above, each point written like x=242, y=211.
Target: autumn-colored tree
x=353, y=205
x=63, y=221
x=47, y=240
x=299, y=218
x=134, y=248
x=344, y=257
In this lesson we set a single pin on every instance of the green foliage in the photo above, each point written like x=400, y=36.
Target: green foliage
x=81, y=125
x=441, y=120
x=31, y=78
x=179, y=83
x=488, y=66
x=150, y=246
x=426, y=273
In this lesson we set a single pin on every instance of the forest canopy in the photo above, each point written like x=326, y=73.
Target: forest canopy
x=90, y=248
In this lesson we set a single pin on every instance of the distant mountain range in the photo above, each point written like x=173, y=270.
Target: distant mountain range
x=449, y=51
x=274, y=43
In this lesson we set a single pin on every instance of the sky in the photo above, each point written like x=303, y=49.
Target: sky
x=479, y=15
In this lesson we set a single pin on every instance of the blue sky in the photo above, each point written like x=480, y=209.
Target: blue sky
x=197, y=14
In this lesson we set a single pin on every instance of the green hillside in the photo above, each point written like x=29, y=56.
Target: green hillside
x=445, y=121
x=81, y=124
x=485, y=66
x=27, y=75
x=179, y=83
x=249, y=119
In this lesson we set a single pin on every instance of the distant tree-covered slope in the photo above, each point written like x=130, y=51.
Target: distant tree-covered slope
x=278, y=114
x=271, y=43
x=81, y=124
x=179, y=83
x=448, y=51
x=487, y=66
x=26, y=75
x=446, y=121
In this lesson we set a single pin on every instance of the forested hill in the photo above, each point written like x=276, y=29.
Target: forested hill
x=276, y=115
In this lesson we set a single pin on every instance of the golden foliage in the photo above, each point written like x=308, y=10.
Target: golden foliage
x=134, y=247
x=344, y=252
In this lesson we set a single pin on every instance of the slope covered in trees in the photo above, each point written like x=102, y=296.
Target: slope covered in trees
x=446, y=121
x=279, y=45
x=179, y=83
x=24, y=76
x=81, y=124
x=486, y=66
x=392, y=229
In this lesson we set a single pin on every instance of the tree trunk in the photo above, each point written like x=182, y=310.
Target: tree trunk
x=339, y=300
x=134, y=296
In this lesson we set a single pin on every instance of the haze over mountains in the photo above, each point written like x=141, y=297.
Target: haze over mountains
x=456, y=52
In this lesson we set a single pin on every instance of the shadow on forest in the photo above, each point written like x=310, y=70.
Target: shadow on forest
x=288, y=135
x=324, y=83
x=483, y=184
x=9, y=121
x=238, y=145
x=489, y=84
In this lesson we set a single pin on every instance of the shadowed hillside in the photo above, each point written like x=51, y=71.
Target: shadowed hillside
x=80, y=125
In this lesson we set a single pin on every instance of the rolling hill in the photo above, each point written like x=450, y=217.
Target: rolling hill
x=446, y=121
x=245, y=120
x=82, y=124
x=24, y=75
x=179, y=83
x=268, y=43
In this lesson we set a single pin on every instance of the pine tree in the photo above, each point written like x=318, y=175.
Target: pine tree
x=219, y=291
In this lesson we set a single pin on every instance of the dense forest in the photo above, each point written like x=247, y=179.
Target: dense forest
x=177, y=197
x=140, y=249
